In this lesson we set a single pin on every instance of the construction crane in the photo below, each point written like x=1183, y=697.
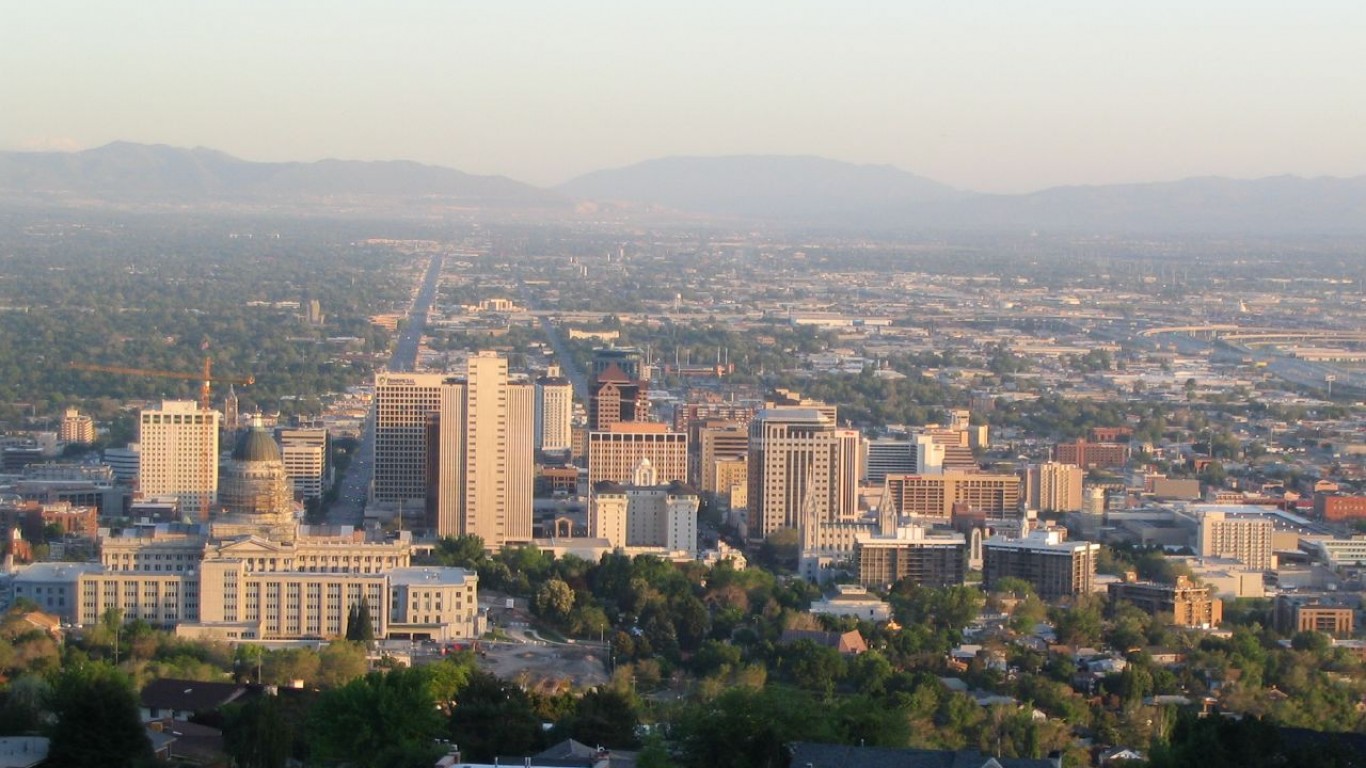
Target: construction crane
x=204, y=377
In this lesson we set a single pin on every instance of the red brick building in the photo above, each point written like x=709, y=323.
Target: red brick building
x=1087, y=454
x=1338, y=508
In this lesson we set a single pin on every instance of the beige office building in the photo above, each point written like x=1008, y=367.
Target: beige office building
x=614, y=453
x=936, y=495
x=1055, y=487
x=179, y=454
x=305, y=453
x=1246, y=538
x=554, y=414
x=718, y=443
x=800, y=468
x=76, y=427
x=481, y=455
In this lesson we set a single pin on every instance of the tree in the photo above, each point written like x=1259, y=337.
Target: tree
x=340, y=663
x=257, y=735
x=360, y=628
x=605, y=717
x=97, y=720
x=493, y=717
x=554, y=600
x=382, y=720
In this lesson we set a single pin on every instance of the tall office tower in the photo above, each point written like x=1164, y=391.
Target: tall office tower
x=554, y=413
x=889, y=456
x=179, y=454
x=307, y=456
x=480, y=455
x=799, y=465
x=403, y=404
x=615, y=453
x=1054, y=487
x=927, y=455
x=718, y=441
x=76, y=427
x=848, y=472
x=614, y=397
x=1055, y=567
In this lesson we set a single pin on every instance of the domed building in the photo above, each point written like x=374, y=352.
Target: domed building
x=254, y=491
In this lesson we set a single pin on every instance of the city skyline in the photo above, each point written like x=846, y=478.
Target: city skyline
x=988, y=99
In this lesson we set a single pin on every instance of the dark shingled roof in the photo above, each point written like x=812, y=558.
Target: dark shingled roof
x=841, y=756
x=189, y=695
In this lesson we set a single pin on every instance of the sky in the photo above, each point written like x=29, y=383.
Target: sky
x=1002, y=96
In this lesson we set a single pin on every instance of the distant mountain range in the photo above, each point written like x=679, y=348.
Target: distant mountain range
x=765, y=187
x=127, y=173
x=785, y=190
x=826, y=193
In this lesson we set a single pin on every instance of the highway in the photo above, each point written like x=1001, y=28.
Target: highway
x=568, y=367
x=349, y=508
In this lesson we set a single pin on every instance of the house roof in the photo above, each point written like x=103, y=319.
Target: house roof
x=189, y=695
x=845, y=642
x=842, y=756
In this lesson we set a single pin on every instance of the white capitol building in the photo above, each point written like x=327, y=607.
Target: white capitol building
x=255, y=573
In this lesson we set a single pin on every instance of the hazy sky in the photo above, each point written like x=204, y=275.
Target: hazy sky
x=1008, y=95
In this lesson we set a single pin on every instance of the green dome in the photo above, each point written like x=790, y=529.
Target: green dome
x=256, y=445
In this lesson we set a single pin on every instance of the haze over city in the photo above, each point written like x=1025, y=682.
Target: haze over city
x=682, y=385
x=982, y=96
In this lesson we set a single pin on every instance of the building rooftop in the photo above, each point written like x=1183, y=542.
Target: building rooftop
x=55, y=571
x=431, y=575
x=23, y=751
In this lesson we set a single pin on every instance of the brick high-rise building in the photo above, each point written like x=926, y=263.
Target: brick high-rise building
x=1085, y=454
x=614, y=397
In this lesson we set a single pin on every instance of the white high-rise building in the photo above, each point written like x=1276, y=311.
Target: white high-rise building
x=481, y=455
x=179, y=454
x=305, y=453
x=554, y=413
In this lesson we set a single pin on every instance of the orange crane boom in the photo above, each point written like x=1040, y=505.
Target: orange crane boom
x=204, y=377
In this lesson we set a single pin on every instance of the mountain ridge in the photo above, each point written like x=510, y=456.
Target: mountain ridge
x=124, y=171
x=785, y=190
